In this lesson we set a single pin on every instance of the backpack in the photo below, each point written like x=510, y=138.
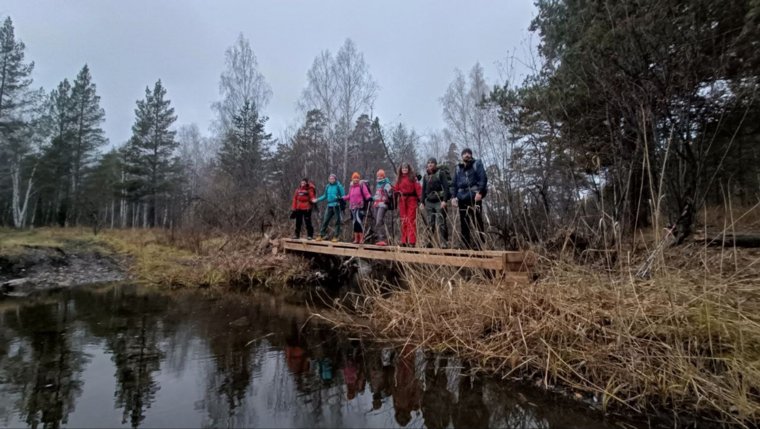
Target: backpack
x=390, y=200
x=444, y=169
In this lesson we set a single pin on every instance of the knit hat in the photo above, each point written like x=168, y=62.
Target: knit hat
x=381, y=173
x=432, y=161
x=355, y=176
x=332, y=176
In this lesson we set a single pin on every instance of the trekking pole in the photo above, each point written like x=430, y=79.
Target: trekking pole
x=393, y=164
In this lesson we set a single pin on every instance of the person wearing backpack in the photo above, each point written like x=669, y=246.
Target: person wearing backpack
x=382, y=201
x=301, y=208
x=334, y=193
x=435, y=193
x=357, y=195
x=468, y=189
x=410, y=194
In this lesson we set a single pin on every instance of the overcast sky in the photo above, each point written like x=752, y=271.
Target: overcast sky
x=412, y=48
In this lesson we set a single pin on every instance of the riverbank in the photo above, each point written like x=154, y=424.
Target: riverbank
x=37, y=260
x=684, y=342
x=57, y=257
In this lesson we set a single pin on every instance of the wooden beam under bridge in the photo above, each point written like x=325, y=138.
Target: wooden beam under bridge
x=517, y=264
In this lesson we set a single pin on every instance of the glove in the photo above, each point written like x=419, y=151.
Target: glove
x=292, y=214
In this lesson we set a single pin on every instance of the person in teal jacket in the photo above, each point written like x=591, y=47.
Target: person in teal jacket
x=334, y=193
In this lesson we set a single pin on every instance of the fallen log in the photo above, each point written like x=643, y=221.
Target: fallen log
x=729, y=240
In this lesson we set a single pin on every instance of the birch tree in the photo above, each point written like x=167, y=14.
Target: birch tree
x=240, y=83
x=341, y=88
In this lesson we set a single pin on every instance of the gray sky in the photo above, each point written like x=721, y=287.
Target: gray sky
x=412, y=48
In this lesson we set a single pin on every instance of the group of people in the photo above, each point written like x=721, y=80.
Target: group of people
x=431, y=193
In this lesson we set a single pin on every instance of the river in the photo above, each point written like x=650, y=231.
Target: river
x=121, y=355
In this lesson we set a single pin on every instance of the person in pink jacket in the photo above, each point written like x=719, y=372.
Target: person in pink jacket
x=357, y=196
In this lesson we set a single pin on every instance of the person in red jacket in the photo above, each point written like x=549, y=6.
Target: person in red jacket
x=410, y=194
x=302, y=208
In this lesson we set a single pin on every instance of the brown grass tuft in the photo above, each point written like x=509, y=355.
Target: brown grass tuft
x=686, y=340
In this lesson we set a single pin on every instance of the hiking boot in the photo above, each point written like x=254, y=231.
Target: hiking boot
x=334, y=239
x=310, y=238
x=320, y=238
x=360, y=238
x=295, y=237
x=381, y=243
x=356, y=238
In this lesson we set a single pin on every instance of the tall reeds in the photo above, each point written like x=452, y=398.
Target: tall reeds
x=686, y=339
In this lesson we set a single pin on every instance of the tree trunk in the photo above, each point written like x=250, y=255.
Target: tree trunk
x=18, y=208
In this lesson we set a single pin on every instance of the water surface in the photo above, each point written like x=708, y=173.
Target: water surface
x=121, y=356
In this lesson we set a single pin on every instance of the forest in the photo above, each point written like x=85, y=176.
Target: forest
x=632, y=116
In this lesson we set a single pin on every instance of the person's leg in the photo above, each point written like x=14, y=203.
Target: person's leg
x=338, y=221
x=430, y=211
x=326, y=222
x=299, y=219
x=412, y=216
x=309, y=226
x=479, y=226
x=357, y=215
x=443, y=227
x=380, y=224
x=360, y=218
x=464, y=223
x=405, y=220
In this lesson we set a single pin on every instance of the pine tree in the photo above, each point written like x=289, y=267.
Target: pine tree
x=243, y=150
x=15, y=103
x=87, y=135
x=56, y=160
x=150, y=152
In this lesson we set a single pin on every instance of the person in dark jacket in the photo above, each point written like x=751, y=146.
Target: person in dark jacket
x=435, y=193
x=468, y=188
x=302, y=208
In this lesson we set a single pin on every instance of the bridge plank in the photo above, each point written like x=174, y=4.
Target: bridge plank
x=514, y=264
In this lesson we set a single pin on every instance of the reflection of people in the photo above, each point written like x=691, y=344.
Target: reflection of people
x=295, y=352
x=436, y=401
x=353, y=375
x=380, y=377
x=325, y=370
x=407, y=391
x=471, y=411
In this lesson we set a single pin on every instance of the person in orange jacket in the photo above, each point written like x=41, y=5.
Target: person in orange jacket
x=410, y=194
x=301, y=208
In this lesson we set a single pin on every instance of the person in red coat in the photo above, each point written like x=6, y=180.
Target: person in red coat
x=302, y=208
x=410, y=193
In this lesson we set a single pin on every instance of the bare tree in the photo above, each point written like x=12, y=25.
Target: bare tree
x=341, y=88
x=239, y=83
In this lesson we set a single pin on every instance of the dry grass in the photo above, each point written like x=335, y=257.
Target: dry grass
x=174, y=259
x=165, y=258
x=686, y=340
x=14, y=240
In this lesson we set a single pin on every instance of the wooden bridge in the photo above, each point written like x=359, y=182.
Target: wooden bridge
x=516, y=265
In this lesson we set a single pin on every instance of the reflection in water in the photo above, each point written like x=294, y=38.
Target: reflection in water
x=123, y=356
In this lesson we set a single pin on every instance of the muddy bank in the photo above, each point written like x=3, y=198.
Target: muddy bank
x=31, y=268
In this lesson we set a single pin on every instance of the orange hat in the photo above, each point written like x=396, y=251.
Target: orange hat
x=355, y=176
x=381, y=173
